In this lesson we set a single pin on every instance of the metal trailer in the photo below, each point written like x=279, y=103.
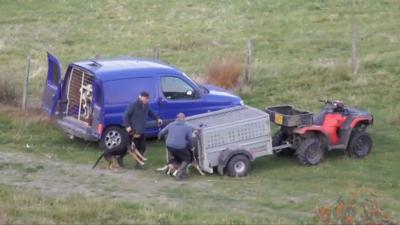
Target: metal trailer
x=228, y=140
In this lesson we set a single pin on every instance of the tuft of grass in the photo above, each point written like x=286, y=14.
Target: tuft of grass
x=9, y=94
x=357, y=208
x=225, y=72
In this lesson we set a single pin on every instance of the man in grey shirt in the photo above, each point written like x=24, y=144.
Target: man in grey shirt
x=179, y=141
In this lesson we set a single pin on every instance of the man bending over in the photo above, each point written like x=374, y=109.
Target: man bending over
x=179, y=141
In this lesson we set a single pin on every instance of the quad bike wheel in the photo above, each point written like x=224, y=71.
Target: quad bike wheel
x=310, y=151
x=360, y=144
x=278, y=139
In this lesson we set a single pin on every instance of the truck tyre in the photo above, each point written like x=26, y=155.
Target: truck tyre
x=278, y=139
x=360, y=144
x=310, y=151
x=115, y=138
x=238, y=166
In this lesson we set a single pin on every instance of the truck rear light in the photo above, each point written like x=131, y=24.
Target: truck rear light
x=100, y=128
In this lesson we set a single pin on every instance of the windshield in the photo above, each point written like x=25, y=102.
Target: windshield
x=198, y=86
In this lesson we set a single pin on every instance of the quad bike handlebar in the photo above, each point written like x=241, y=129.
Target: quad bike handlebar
x=336, y=104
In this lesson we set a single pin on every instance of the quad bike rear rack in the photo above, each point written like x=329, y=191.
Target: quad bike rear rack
x=288, y=116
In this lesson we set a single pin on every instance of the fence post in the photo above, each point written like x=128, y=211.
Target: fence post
x=156, y=53
x=249, y=60
x=26, y=83
x=354, y=61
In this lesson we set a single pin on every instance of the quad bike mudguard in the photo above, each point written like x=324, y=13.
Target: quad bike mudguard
x=330, y=127
x=361, y=120
x=336, y=128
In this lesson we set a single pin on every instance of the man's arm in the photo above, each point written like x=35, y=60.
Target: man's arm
x=127, y=115
x=153, y=115
x=189, y=137
x=163, y=132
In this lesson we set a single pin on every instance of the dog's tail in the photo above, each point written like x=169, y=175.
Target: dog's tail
x=98, y=160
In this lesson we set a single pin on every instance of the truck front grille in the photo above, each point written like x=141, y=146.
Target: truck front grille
x=80, y=95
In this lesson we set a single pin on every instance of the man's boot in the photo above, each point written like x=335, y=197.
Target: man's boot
x=120, y=161
x=182, y=174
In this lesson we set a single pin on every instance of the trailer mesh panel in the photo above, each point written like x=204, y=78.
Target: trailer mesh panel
x=225, y=116
x=229, y=126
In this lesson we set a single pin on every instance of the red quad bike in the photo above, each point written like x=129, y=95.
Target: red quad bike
x=335, y=127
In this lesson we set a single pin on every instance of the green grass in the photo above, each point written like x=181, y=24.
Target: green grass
x=301, y=53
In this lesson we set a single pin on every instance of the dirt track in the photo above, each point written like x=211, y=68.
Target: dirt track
x=60, y=179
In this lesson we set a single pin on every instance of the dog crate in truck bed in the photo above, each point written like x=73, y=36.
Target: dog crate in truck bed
x=241, y=134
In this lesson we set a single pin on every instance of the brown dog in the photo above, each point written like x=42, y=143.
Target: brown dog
x=110, y=154
x=132, y=150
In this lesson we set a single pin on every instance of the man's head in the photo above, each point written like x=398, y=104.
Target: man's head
x=181, y=116
x=144, y=97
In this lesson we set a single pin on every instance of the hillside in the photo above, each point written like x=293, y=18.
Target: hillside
x=302, y=52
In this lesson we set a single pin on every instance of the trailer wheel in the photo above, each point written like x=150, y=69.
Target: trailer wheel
x=310, y=151
x=238, y=166
x=113, y=137
x=360, y=144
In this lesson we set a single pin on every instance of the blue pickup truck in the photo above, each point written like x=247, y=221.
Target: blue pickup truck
x=90, y=100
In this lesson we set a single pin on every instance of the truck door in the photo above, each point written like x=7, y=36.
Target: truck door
x=177, y=95
x=52, y=89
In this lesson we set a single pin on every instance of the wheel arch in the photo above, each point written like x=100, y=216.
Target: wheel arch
x=228, y=154
x=361, y=121
x=313, y=131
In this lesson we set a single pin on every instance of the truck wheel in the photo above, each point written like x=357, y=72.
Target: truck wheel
x=360, y=144
x=278, y=139
x=238, y=166
x=113, y=137
x=310, y=151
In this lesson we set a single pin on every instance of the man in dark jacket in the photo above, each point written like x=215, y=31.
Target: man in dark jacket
x=179, y=141
x=135, y=117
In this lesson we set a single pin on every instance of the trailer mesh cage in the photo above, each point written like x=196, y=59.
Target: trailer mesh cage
x=230, y=125
x=80, y=95
x=240, y=128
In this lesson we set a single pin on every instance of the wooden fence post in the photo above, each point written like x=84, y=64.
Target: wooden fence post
x=26, y=83
x=249, y=61
x=354, y=61
x=156, y=53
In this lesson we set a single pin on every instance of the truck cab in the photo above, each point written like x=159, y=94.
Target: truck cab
x=89, y=101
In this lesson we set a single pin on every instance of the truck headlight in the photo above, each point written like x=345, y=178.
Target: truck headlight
x=241, y=102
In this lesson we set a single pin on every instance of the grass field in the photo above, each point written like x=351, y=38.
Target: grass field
x=301, y=53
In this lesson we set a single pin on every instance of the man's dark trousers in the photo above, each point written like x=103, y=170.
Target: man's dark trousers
x=179, y=155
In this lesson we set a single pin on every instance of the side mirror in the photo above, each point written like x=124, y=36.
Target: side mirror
x=193, y=94
x=189, y=93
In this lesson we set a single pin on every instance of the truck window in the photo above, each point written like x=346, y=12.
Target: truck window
x=127, y=90
x=175, y=88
